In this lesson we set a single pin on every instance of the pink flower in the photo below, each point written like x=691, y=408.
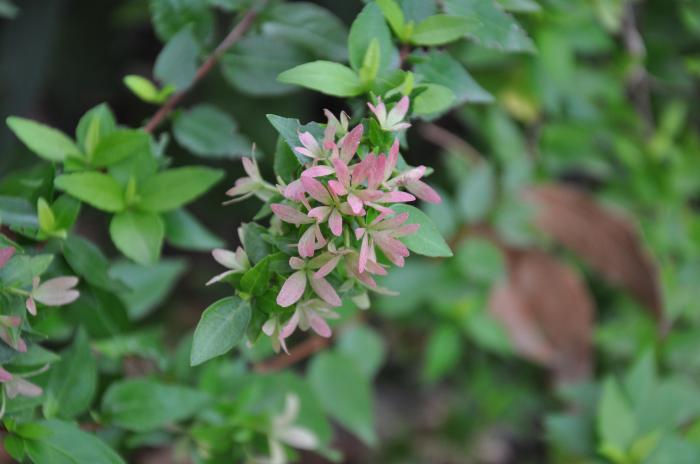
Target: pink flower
x=273, y=328
x=17, y=386
x=331, y=209
x=254, y=184
x=295, y=285
x=58, y=291
x=9, y=336
x=341, y=126
x=4, y=375
x=290, y=215
x=310, y=147
x=384, y=233
x=393, y=120
x=310, y=314
x=6, y=255
x=411, y=181
x=236, y=263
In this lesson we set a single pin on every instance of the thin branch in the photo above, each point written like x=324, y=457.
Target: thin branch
x=639, y=87
x=298, y=353
x=449, y=141
x=234, y=36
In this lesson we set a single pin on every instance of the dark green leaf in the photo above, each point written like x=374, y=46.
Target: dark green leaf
x=171, y=16
x=222, y=326
x=286, y=163
x=290, y=128
x=119, y=145
x=476, y=193
x=443, y=29
x=141, y=404
x=207, y=131
x=88, y=262
x=73, y=381
x=183, y=230
x=255, y=246
x=15, y=211
x=255, y=280
x=440, y=68
x=177, y=63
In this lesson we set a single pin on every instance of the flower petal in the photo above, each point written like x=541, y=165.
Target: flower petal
x=5, y=255
x=325, y=291
x=319, y=324
x=335, y=222
x=291, y=325
x=316, y=190
x=292, y=290
x=290, y=215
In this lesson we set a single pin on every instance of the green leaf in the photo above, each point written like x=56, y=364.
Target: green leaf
x=344, y=392
x=426, y=240
x=440, y=68
x=494, y=27
x=184, y=231
x=365, y=346
x=177, y=63
x=253, y=243
x=99, y=312
x=520, y=6
x=35, y=355
x=307, y=25
x=8, y=10
x=442, y=352
x=171, y=16
x=95, y=124
x=15, y=211
x=207, y=131
x=146, y=90
x=434, y=99
x=326, y=77
x=221, y=327
x=441, y=29
x=290, y=128
x=394, y=16
x=88, y=262
x=120, y=145
x=480, y=260
x=148, y=286
x=73, y=381
x=616, y=424
x=253, y=64
x=141, y=405
x=368, y=26
x=370, y=65
x=173, y=188
x=476, y=193
x=65, y=443
x=66, y=209
x=139, y=235
x=45, y=141
x=255, y=281
x=47, y=220
x=285, y=163
x=94, y=188
x=21, y=269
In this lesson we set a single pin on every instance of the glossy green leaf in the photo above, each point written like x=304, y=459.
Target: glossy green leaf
x=427, y=240
x=94, y=188
x=326, y=77
x=222, y=326
x=176, y=187
x=139, y=235
x=45, y=141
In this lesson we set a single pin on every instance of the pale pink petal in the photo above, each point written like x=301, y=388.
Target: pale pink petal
x=220, y=277
x=349, y=144
x=320, y=213
x=305, y=151
x=296, y=263
x=400, y=126
x=318, y=171
x=295, y=191
x=355, y=203
x=19, y=386
x=307, y=243
x=341, y=171
x=242, y=186
x=269, y=327
x=423, y=191
x=379, y=110
x=408, y=229
x=393, y=159
x=298, y=437
x=329, y=136
x=364, y=254
x=335, y=222
x=5, y=255
x=250, y=168
x=327, y=268
x=30, y=304
x=397, y=197
x=391, y=223
x=337, y=188
x=291, y=325
x=309, y=142
x=325, y=291
x=292, y=290
x=398, y=112
x=319, y=324
x=316, y=190
x=4, y=375
x=289, y=214
x=10, y=321
x=225, y=257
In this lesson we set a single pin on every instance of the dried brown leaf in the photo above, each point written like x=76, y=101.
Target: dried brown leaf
x=605, y=240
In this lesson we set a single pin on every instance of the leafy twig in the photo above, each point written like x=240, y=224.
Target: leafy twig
x=234, y=36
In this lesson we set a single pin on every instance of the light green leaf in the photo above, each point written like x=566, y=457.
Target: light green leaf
x=177, y=63
x=307, y=25
x=148, y=286
x=370, y=65
x=368, y=26
x=47, y=220
x=476, y=193
x=221, y=327
x=442, y=352
x=520, y=6
x=73, y=381
x=394, y=16
x=118, y=146
x=344, y=392
x=427, y=240
x=440, y=68
x=141, y=405
x=434, y=99
x=480, y=260
x=173, y=188
x=494, y=27
x=207, y=131
x=45, y=141
x=616, y=424
x=365, y=346
x=146, y=90
x=326, y=77
x=184, y=231
x=65, y=443
x=139, y=235
x=253, y=64
x=94, y=188
x=18, y=212
x=21, y=269
x=441, y=29
x=95, y=124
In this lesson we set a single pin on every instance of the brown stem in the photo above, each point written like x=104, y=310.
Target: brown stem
x=449, y=141
x=233, y=37
x=299, y=352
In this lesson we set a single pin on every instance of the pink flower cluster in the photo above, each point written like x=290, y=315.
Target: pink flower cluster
x=341, y=207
